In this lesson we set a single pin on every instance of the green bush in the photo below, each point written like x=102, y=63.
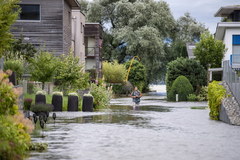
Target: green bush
x=182, y=87
x=189, y=68
x=101, y=95
x=216, y=93
x=137, y=75
x=41, y=108
x=192, y=97
x=203, y=94
x=27, y=103
x=114, y=72
x=15, y=66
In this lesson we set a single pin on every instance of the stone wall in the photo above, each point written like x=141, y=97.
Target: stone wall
x=230, y=110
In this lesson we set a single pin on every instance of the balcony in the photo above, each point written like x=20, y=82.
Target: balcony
x=235, y=61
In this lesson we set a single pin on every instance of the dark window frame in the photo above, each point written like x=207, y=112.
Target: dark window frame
x=38, y=19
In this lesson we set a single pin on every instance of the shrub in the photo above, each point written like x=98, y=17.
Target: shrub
x=101, y=95
x=41, y=108
x=182, y=87
x=189, y=68
x=27, y=103
x=70, y=74
x=14, y=139
x=124, y=88
x=15, y=66
x=216, y=93
x=114, y=72
x=137, y=75
x=8, y=96
x=203, y=94
x=192, y=97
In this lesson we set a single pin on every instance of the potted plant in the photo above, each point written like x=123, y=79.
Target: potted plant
x=40, y=97
x=57, y=101
x=73, y=102
x=40, y=109
x=87, y=105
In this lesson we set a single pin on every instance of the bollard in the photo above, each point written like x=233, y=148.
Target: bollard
x=57, y=102
x=40, y=98
x=176, y=97
x=87, y=105
x=72, y=103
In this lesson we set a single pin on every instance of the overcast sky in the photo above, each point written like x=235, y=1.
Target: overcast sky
x=202, y=10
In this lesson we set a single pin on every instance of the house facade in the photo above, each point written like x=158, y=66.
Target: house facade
x=229, y=32
x=51, y=25
x=93, y=43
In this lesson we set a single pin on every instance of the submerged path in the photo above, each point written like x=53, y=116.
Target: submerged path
x=155, y=130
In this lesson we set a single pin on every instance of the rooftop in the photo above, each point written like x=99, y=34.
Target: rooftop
x=226, y=11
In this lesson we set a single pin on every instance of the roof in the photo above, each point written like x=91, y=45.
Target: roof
x=227, y=10
x=73, y=3
x=222, y=26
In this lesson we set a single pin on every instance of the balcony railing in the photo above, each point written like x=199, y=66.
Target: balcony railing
x=90, y=51
x=235, y=61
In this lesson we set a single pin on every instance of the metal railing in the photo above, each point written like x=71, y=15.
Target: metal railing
x=232, y=79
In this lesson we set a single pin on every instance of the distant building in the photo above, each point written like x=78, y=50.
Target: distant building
x=93, y=44
x=56, y=26
x=229, y=32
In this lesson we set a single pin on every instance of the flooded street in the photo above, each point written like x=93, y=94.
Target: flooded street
x=155, y=130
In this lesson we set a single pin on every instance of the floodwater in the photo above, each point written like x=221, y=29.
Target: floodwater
x=155, y=130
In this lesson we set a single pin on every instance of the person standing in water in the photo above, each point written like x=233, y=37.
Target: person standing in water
x=136, y=95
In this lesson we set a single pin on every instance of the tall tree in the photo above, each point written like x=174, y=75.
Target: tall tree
x=8, y=14
x=209, y=51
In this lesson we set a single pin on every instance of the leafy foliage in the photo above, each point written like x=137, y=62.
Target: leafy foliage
x=114, y=72
x=70, y=74
x=42, y=67
x=209, y=51
x=41, y=107
x=8, y=14
x=216, y=93
x=8, y=96
x=189, y=68
x=27, y=103
x=101, y=95
x=182, y=87
x=20, y=50
x=15, y=66
x=137, y=75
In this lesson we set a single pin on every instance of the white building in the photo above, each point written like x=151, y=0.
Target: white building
x=229, y=32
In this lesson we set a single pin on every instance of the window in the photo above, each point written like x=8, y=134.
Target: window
x=236, y=44
x=30, y=12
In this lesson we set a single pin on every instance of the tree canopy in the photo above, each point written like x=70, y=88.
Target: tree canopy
x=209, y=51
x=8, y=14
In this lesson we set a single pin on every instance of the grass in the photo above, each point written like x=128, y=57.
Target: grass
x=49, y=100
x=198, y=107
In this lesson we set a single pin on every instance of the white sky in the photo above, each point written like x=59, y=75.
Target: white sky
x=202, y=10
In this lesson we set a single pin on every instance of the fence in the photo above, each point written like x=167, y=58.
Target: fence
x=232, y=79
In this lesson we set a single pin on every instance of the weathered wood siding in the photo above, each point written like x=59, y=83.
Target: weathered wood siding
x=48, y=32
x=67, y=24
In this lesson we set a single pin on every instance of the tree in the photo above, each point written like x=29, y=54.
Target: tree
x=42, y=67
x=8, y=14
x=137, y=75
x=20, y=50
x=137, y=28
x=70, y=74
x=189, y=68
x=209, y=51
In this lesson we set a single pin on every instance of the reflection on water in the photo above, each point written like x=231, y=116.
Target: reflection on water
x=142, y=133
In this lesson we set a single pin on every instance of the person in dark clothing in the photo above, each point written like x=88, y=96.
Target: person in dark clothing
x=136, y=95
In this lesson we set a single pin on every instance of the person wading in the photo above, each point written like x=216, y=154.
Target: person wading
x=136, y=95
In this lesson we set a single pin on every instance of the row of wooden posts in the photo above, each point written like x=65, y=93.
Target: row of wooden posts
x=73, y=102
